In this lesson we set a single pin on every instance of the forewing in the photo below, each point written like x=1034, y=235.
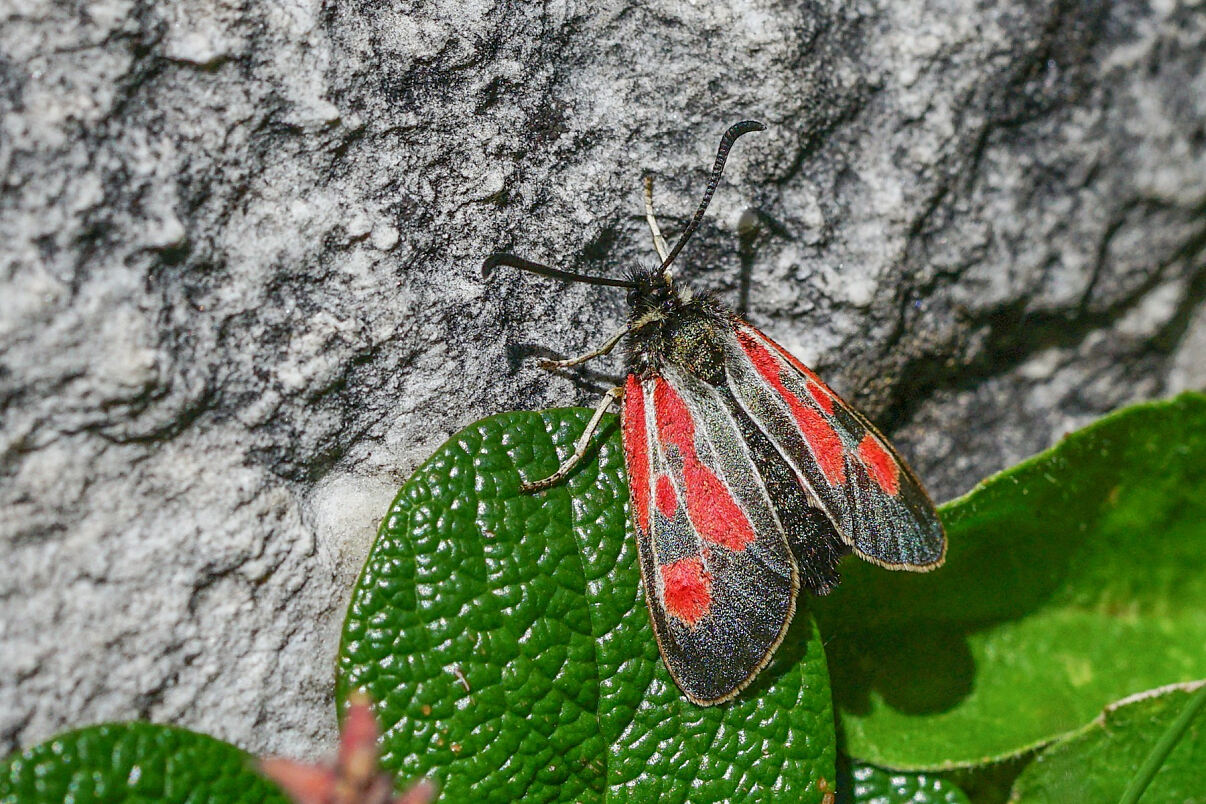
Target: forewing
x=719, y=576
x=854, y=474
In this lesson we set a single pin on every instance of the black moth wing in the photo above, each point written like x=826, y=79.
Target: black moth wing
x=715, y=532
x=849, y=469
x=719, y=610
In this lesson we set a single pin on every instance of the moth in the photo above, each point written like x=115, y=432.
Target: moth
x=749, y=477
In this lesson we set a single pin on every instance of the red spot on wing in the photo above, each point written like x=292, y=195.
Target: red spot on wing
x=687, y=589
x=663, y=494
x=818, y=394
x=636, y=450
x=710, y=506
x=880, y=463
x=818, y=390
x=823, y=440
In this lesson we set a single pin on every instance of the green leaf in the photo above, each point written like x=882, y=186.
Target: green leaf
x=859, y=783
x=1097, y=763
x=535, y=601
x=1073, y=579
x=134, y=762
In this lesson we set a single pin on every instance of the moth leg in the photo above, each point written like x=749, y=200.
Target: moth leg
x=659, y=242
x=580, y=446
x=602, y=350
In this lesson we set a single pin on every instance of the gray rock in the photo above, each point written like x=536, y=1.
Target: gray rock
x=241, y=298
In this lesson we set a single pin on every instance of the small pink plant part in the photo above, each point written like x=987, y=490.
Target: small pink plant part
x=355, y=777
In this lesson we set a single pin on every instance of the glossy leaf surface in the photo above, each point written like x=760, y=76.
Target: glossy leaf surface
x=134, y=762
x=506, y=640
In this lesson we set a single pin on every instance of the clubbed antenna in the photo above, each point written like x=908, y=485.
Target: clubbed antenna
x=722, y=153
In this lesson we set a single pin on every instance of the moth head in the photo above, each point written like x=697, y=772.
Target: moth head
x=652, y=291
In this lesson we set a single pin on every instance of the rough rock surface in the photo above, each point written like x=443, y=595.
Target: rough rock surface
x=240, y=242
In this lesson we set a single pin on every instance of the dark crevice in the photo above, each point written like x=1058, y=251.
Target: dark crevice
x=1011, y=332
x=1014, y=334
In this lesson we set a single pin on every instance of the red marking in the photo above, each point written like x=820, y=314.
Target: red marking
x=818, y=394
x=663, y=494
x=823, y=440
x=687, y=589
x=636, y=450
x=710, y=506
x=818, y=390
x=881, y=464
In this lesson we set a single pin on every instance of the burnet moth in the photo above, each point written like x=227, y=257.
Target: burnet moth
x=749, y=477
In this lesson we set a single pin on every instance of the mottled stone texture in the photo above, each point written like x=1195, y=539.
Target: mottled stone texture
x=240, y=244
